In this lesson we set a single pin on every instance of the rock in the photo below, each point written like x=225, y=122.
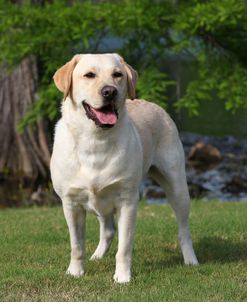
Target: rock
x=37, y=197
x=43, y=197
x=197, y=191
x=209, y=181
x=236, y=185
x=216, y=168
x=152, y=192
x=204, y=156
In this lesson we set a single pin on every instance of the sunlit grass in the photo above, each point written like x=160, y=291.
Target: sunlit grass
x=34, y=254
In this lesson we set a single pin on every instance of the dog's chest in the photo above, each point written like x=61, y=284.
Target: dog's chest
x=94, y=172
x=101, y=201
x=96, y=182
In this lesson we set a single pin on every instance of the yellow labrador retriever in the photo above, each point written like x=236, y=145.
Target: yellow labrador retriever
x=104, y=145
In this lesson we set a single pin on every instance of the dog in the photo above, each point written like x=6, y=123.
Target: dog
x=104, y=144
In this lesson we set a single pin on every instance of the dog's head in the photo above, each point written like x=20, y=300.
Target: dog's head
x=98, y=85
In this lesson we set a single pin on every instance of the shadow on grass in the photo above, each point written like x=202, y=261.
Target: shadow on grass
x=216, y=249
x=208, y=250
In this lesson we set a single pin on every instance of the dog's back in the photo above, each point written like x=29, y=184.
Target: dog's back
x=155, y=128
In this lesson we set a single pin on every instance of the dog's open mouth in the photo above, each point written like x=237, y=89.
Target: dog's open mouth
x=105, y=117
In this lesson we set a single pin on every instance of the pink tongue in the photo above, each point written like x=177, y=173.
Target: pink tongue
x=109, y=118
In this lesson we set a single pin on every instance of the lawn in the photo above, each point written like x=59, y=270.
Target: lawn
x=34, y=254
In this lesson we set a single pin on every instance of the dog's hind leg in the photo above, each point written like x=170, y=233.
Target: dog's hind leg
x=107, y=231
x=171, y=176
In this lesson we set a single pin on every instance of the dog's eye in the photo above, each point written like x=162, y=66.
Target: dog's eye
x=90, y=75
x=117, y=74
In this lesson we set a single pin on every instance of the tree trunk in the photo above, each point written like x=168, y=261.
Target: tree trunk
x=24, y=156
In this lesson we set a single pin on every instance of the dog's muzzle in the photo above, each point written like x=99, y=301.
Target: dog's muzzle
x=104, y=117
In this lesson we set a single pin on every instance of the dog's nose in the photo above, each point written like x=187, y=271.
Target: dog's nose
x=109, y=92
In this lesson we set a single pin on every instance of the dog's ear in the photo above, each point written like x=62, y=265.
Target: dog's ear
x=132, y=77
x=63, y=76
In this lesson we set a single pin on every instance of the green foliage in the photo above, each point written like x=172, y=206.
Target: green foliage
x=152, y=85
x=212, y=35
x=215, y=35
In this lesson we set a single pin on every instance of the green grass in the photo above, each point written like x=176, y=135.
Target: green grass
x=34, y=254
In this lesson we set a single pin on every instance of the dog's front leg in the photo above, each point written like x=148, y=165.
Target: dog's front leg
x=75, y=217
x=126, y=228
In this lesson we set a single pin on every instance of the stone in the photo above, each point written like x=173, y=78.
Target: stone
x=204, y=156
x=236, y=185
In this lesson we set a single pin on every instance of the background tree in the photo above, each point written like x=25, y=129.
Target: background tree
x=211, y=35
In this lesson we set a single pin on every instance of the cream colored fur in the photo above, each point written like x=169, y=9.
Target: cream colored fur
x=100, y=170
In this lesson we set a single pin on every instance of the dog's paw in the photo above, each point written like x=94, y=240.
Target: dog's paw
x=193, y=261
x=96, y=256
x=75, y=269
x=122, y=277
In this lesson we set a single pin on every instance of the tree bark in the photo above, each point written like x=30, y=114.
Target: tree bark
x=24, y=155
